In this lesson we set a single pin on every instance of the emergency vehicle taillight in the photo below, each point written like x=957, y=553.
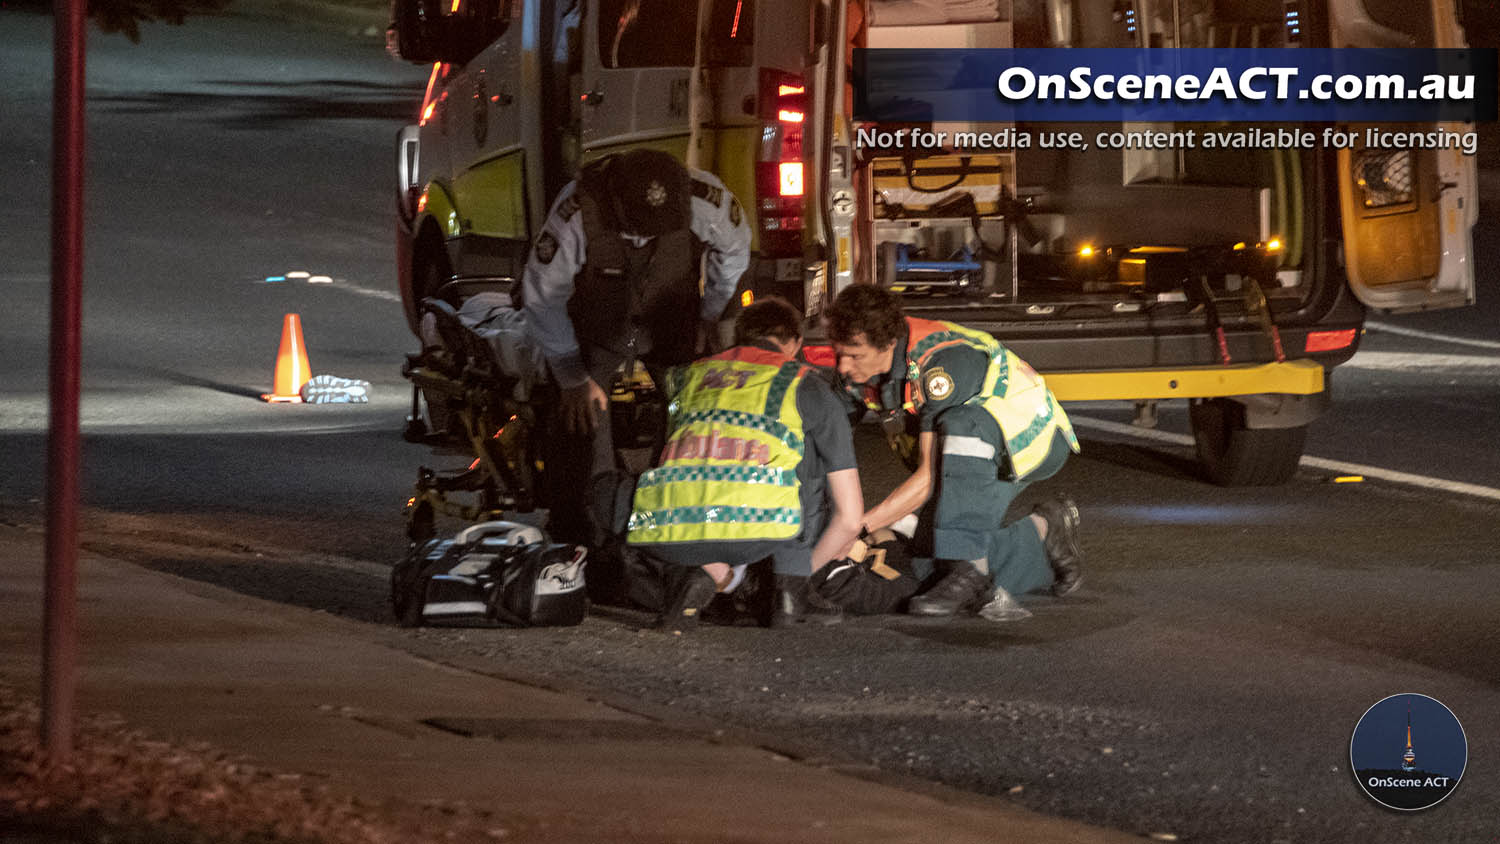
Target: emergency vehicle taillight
x=779, y=182
x=1327, y=341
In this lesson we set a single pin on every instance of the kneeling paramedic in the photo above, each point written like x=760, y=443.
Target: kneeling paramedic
x=611, y=280
x=759, y=449
x=986, y=426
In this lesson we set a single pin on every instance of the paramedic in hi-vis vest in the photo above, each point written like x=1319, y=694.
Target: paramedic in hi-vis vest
x=614, y=278
x=759, y=463
x=986, y=425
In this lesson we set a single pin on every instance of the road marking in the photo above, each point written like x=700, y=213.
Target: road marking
x=1401, y=361
x=1308, y=461
x=340, y=283
x=1387, y=328
x=383, y=295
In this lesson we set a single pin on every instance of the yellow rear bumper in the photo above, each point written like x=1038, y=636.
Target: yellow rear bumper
x=1300, y=377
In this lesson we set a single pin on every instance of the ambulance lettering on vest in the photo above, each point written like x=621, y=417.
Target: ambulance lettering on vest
x=714, y=379
x=716, y=447
x=729, y=467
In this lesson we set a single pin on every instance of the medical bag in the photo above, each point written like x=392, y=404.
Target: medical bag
x=492, y=573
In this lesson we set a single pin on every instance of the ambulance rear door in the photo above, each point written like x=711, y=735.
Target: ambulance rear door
x=637, y=58
x=1408, y=213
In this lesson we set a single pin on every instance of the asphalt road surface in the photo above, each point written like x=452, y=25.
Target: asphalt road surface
x=1204, y=683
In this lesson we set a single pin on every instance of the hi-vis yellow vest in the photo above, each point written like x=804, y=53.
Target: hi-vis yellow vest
x=729, y=469
x=1012, y=392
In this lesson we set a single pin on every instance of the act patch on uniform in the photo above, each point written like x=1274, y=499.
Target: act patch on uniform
x=546, y=248
x=735, y=215
x=937, y=384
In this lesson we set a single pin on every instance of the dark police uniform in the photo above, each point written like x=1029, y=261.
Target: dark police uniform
x=600, y=288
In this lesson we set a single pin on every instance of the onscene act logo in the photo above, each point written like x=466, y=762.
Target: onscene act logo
x=1408, y=752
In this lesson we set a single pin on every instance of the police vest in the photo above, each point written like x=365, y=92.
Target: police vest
x=729, y=469
x=633, y=300
x=1012, y=392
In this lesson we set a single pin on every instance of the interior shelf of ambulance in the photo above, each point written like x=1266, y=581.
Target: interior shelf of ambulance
x=1048, y=232
x=1110, y=231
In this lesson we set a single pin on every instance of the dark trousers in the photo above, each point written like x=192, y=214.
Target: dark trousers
x=974, y=491
x=591, y=491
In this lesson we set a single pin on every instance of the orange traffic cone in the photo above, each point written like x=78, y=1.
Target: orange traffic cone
x=292, y=369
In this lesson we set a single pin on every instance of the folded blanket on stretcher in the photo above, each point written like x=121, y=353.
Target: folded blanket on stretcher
x=490, y=316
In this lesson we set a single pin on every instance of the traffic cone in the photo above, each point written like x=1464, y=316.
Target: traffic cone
x=292, y=369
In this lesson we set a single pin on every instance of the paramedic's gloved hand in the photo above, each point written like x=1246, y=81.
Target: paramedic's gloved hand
x=581, y=406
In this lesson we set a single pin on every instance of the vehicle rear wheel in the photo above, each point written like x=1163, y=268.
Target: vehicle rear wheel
x=1232, y=454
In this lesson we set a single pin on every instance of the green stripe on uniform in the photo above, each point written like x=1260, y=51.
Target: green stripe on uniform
x=652, y=519
x=937, y=338
x=1026, y=437
x=734, y=474
x=780, y=383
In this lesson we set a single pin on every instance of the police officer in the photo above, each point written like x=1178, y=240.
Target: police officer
x=759, y=463
x=986, y=425
x=614, y=278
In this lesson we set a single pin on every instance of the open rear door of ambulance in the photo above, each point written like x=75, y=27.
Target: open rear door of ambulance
x=1408, y=214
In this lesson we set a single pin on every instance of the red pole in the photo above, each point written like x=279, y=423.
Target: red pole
x=60, y=636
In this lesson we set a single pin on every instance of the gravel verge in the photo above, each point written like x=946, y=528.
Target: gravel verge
x=124, y=786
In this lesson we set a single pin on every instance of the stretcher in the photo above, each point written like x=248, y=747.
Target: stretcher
x=483, y=384
x=486, y=392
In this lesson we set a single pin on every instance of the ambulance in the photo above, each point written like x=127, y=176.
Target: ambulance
x=1234, y=279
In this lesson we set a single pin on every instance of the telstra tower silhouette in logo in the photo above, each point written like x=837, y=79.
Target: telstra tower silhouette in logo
x=1409, y=758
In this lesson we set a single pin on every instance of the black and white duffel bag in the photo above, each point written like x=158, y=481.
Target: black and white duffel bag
x=491, y=573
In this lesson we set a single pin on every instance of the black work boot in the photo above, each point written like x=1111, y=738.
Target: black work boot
x=688, y=591
x=797, y=603
x=1063, y=552
x=964, y=590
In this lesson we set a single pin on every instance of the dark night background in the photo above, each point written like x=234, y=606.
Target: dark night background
x=1380, y=739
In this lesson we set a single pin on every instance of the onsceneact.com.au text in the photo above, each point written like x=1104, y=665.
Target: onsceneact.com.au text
x=1018, y=84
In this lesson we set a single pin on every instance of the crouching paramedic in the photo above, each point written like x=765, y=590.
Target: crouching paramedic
x=759, y=463
x=614, y=278
x=986, y=426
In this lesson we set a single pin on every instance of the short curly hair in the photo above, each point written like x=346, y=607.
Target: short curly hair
x=771, y=317
x=865, y=309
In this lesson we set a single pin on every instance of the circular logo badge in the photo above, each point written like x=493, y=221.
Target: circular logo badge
x=939, y=384
x=1408, y=752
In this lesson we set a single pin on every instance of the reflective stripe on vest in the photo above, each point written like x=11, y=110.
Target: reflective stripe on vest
x=729, y=469
x=1012, y=393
